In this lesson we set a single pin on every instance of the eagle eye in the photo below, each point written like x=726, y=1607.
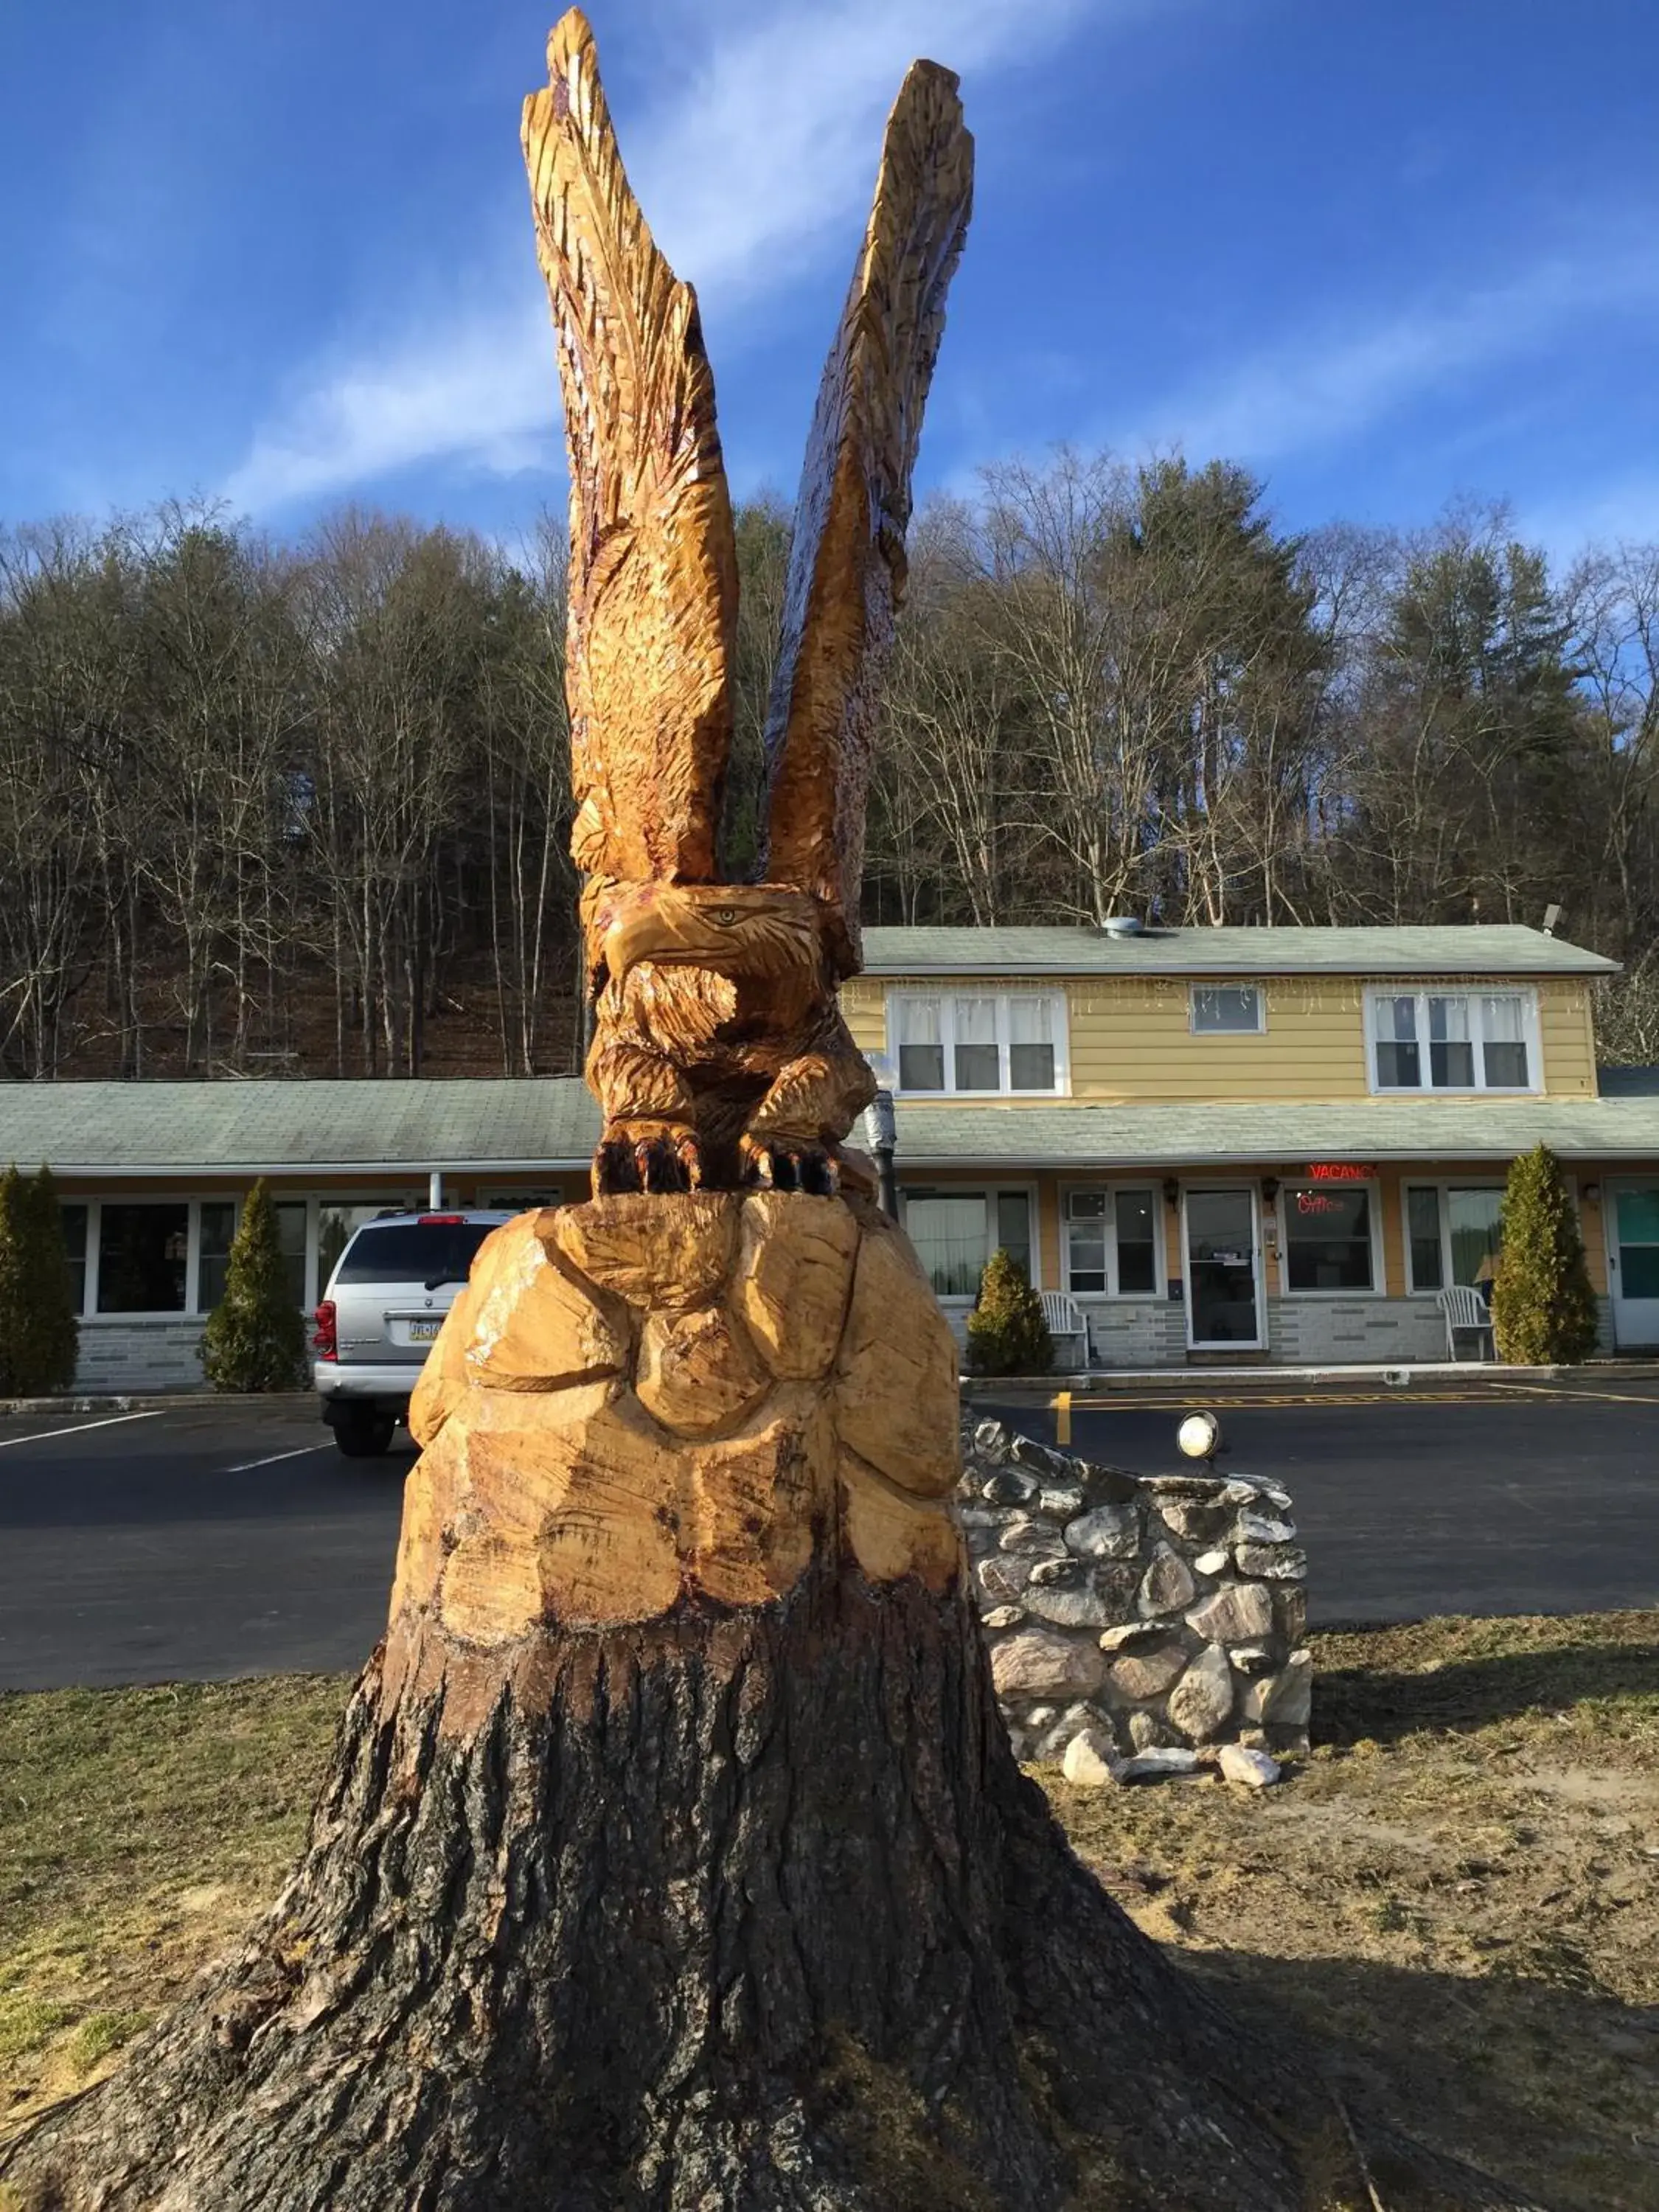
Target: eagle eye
x=723, y=914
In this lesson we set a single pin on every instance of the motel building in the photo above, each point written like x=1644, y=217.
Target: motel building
x=1240, y=1146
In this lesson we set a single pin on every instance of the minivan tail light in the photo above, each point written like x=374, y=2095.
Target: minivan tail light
x=326, y=1342
x=442, y=1220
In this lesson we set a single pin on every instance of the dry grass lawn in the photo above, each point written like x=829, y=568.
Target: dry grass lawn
x=1457, y=1897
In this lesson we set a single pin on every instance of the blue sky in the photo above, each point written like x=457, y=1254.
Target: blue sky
x=1385, y=252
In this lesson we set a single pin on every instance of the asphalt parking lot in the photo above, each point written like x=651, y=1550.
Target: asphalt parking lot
x=208, y=1539
x=198, y=1542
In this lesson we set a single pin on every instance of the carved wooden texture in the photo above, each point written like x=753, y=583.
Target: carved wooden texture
x=653, y=575
x=646, y=1399
x=719, y=1056
x=847, y=562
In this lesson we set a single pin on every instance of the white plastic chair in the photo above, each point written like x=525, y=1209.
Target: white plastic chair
x=1464, y=1309
x=1065, y=1317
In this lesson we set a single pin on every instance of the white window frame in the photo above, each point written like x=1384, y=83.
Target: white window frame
x=1372, y=1185
x=1441, y=1186
x=990, y=1191
x=235, y=1200
x=1160, y=1263
x=1256, y=990
x=947, y=994
x=191, y=1201
x=1473, y=992
x=313, y=1201
x=90, y=1264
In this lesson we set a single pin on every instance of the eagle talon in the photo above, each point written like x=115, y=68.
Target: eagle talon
x=770, y=1163
x=660, y=1166
x=660, y=1159
x=615, y=1167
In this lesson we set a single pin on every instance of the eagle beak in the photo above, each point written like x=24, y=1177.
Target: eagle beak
x=660, y=927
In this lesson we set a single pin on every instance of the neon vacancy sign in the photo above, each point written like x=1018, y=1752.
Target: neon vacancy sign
x=1338, y=1171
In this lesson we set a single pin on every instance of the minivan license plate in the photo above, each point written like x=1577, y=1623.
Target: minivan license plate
x=423, y=1332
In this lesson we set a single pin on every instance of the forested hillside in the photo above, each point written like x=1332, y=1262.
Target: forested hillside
x=302, y=809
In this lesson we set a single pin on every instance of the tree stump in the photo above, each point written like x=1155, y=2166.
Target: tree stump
x=673, y=1854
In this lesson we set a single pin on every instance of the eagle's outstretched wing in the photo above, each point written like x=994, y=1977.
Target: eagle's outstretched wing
x=846, y=564
x=654, y=572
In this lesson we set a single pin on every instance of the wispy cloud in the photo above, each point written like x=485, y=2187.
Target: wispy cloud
x=1334, y=380
x=1624, y=512
x=750, y=169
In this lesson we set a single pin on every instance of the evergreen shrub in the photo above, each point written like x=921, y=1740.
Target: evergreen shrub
x=1006, y=1332
x=54, y=1333
x=1543, y=1310
x=255, y=1337
x=40, y=1330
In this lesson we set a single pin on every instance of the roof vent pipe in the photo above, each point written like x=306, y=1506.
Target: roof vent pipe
x=1123, y=925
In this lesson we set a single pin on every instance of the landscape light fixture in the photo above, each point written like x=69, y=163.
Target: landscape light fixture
x=1200, y=1437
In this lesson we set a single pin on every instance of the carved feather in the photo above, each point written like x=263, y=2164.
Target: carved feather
x=847, y=565
x=654, y=572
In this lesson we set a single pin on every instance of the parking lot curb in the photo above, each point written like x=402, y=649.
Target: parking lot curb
x=1193, y=1382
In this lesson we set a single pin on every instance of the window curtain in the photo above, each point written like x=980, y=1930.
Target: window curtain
x=949, y=1235
x=1451, y=1055
x=1476, y=1235
x=1031, y=1044
x=978, y=1066
x=921, y=1044
x=1503, y=1026
x=1398, y=1066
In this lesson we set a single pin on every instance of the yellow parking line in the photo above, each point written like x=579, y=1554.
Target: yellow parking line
x=1559, y=1392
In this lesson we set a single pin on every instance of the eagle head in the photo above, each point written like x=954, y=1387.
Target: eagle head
x=741, y=930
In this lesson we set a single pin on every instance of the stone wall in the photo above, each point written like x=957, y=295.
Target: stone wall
x=1164, y=1612
x=152, y=1353
x=1302, y=1331
x=1136, y=1332
x=1328, y=1332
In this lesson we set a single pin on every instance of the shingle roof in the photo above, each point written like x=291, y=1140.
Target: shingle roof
x=1208, y=1134
x=483, y=1121
x=138, y=1128
x=1497, y=951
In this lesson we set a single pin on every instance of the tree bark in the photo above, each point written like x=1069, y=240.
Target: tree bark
x=673, y=1857
x=744, y=1910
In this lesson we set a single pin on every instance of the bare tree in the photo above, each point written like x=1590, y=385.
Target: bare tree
x=524, y=732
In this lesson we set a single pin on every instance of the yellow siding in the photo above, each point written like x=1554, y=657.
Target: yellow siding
x=1131, y=1037
x=1567, y=1026
x=1593, y=1220
x=1390, y=1181
x=863, y=1003
x=1049, y=1233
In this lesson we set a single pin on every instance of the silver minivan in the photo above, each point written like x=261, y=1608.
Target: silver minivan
x=379, y=1317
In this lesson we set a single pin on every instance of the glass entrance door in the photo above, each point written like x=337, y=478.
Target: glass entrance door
x=1634, y=1263
x=1223, y=1307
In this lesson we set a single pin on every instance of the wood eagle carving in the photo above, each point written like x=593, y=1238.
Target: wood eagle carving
x=718, y=1054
